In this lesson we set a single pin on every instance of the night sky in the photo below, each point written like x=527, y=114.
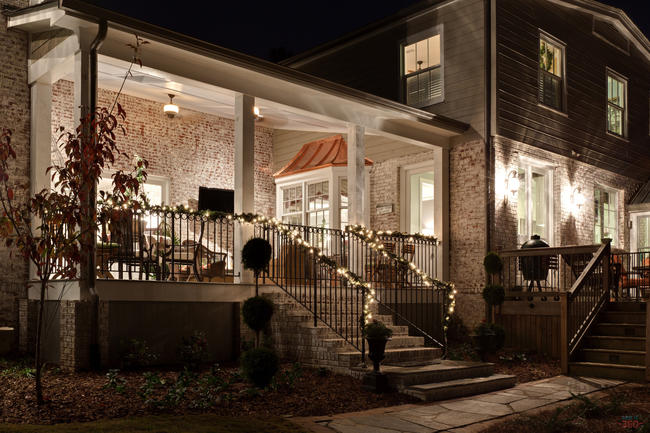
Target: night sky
x=275, y=29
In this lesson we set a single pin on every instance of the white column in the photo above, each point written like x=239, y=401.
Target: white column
x=244, y=175
x=441, y=209
x=357, y=195
x=40, y=152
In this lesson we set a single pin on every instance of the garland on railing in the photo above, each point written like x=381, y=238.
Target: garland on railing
x=371, y=237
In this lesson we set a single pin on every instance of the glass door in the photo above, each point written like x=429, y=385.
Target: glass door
x=420, y=207
x=640, y=236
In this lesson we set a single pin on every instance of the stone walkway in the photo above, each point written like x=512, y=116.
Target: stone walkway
x=461, y=415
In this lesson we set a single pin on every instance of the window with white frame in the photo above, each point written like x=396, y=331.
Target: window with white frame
x=318, y=204
x=605, y=215
x=156, y=189
x=534, y=202
x=616, y=104
x=551, y=73
x=422, y=71
x=292, y=204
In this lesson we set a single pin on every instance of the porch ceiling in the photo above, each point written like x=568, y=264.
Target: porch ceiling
x=207, y=77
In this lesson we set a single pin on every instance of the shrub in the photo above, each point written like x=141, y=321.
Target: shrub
x=492, y=263
x=255, y=256
x=457, y=332
x=494, y=294
x=491, y=337
x=259, y=366
x=257, y=312
x=137, y=354
x=377, y=330
x=194, y=350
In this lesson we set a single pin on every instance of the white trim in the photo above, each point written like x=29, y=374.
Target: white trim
x=404, y=196
x=547, y=169
x=634, y=229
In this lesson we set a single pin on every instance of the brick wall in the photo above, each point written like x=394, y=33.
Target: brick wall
x=192, y=150
x=14, y=114
x=571, y=225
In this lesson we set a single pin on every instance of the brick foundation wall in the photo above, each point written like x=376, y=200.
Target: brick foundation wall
x=14, y=115
x=194, y=149
x=571, y=225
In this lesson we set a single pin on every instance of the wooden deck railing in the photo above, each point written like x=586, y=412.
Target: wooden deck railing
x=581, y=304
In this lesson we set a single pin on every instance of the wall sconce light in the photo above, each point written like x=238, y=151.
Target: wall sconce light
x=256, y=113
x=171, y=109
x=512, y=182
x=577, y=198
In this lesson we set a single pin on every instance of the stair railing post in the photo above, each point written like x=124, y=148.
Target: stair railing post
x=362, y=325
x=314, y=270
x=564, y=333
x=606, y=270
x=646, y=298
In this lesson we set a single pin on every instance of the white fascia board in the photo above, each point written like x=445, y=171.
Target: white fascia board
x=39, y=20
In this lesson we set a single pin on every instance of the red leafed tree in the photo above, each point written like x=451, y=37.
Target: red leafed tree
x=50, y=228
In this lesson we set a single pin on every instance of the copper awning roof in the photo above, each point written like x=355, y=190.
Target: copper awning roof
x=326, y=152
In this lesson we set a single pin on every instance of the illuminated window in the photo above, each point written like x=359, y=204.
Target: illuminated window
x=422, y=72
x=616, y=103
x=606, y=215
x=292, y=204
x=551, y=73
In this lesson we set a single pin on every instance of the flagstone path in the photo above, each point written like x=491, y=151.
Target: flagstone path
x=460, y=415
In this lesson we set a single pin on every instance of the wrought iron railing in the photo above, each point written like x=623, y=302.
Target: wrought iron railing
x=165, y=244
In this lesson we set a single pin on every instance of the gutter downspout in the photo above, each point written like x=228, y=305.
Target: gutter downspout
x=488, y=124
x=95, y=355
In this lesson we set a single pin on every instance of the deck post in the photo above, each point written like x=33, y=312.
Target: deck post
x=646, y=298
x=244, y=177
x=564, y=333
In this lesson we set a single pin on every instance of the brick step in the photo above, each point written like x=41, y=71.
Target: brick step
x=620, y=329
x=614, y=342
x=460, y=387
x=410, y=354
x=614, y=356
x=399, y=341
x=322, y=329
x=622, y=317
x=442, y=371
x=633, y=373
x=638, y=307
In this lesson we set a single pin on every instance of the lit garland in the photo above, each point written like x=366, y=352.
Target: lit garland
x=371, y=238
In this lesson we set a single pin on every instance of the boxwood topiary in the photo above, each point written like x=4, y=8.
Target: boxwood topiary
x=257, y=312
x=494, y=294
x=255, y=256
x=260, y=365
x=492, y=263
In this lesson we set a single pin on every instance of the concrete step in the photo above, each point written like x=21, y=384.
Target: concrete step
x=614, y=342
x=395, y=342
x=442, y=371
x=627, y=306
x=321, y=328
x=633, y=373
x=613, y=356
x=460, y=387
x=408, y=354
x=620, y=329
x=622, y=317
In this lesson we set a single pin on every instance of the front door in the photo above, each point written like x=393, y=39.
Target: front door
x=640, y=233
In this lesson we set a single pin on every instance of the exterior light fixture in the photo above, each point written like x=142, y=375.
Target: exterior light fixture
x=171, y=109
x=256, y=113
x=512, y=182
x=578, y=198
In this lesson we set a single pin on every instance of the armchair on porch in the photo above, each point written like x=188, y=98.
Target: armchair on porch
x=378, y=268
x=634, y=272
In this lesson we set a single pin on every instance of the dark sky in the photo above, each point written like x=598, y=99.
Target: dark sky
x=260, y=27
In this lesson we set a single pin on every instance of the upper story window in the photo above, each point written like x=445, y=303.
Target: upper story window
x=423, y=71
x=551, y=73
x=616, y=104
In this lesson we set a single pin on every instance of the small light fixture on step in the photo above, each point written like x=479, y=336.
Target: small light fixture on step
x=171, y=109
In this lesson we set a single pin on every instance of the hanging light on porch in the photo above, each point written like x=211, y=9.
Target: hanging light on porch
x=171, y=109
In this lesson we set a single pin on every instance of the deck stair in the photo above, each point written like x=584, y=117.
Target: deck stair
x=614, y=347
x=412, y=368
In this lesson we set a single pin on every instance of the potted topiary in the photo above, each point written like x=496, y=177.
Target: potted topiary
x=488, y=338
x=494, y=295
x=255, y=256
x=377, y=334
x=257, y=312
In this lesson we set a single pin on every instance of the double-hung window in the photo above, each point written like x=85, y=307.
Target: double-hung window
x=551, y=73
x=616, y=104
x=292, y=204
x=423, y=69
x=318, y=204
x=606, y=215
x=534, y=201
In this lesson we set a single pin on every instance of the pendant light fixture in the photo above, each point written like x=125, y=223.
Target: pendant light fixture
x=171, y=109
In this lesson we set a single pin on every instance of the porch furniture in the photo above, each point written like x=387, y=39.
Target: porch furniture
x=633, y=281
x=181, y=261
x=380, y=270
x=210, y=265
x=577, y=262
x=129, y=246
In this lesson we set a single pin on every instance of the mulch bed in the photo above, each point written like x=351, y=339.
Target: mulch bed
x=625, y=408
x=86, y=396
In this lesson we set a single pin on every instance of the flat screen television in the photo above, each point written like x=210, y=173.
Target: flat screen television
x=216, y=199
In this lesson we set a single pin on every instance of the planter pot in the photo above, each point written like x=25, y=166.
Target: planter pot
x=487, y=343
x=376, y=351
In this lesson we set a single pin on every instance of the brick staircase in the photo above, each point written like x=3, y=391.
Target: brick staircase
x=614, y=347
x=411, y=367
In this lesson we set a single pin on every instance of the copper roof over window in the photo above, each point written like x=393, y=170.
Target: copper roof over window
x=326, y=152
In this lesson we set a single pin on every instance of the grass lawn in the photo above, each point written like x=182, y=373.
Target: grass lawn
x=166, y=424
